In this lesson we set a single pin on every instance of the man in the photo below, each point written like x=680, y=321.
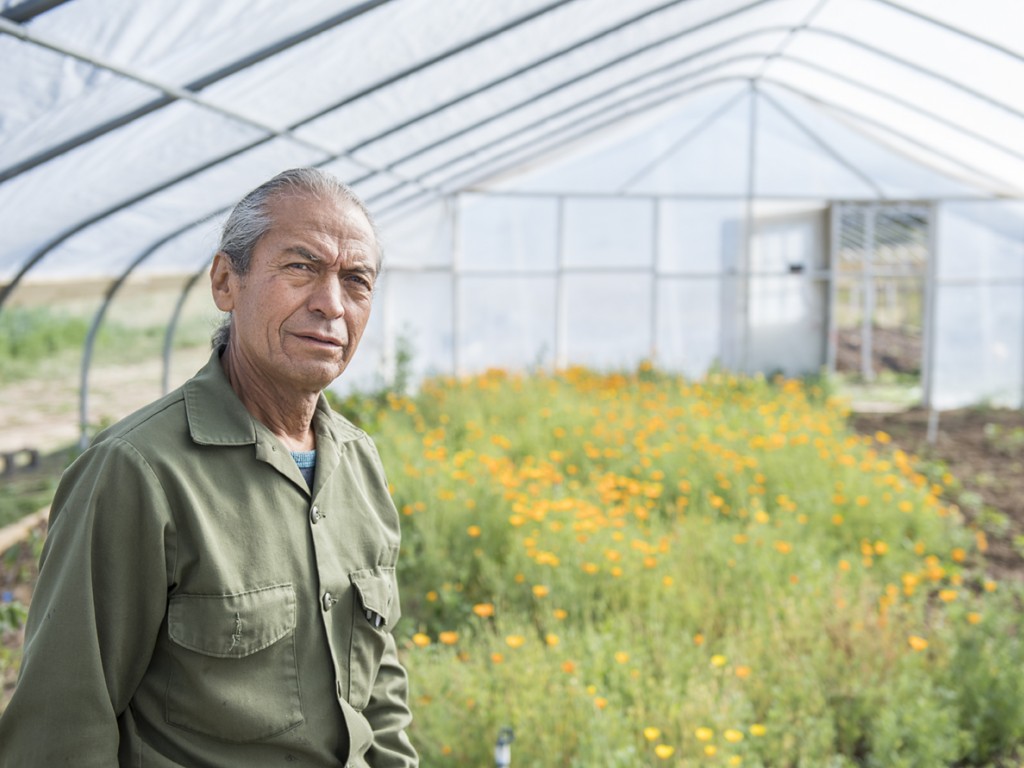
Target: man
x=218, y=584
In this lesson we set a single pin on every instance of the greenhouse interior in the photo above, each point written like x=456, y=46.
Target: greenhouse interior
x=696, y=363
x=777, y=186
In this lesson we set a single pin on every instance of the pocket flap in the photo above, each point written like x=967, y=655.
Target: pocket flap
x=374, y=589
x=232, y=626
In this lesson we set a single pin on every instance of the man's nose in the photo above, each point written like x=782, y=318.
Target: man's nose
x=327, y=299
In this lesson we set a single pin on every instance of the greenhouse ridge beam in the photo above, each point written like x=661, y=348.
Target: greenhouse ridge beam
x=193, y=87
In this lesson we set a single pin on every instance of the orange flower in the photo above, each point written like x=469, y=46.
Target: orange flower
x=483, y=610
x=449, y=638
x=917, y=643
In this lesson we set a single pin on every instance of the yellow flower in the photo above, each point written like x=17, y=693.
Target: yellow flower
x=473, y=531
x=559, y=613
x=515, y=641
x=651, y=733
x=947, y=595
x=710, y=750
x=704, y=734
x=917, y=643
x=758, y=730
x=664, y=751
x=449, y=638
x=420, y=640
x=974, y=618
x=718, y=660
x=539, y=590
x=590, y=568
x=551, y=639
x=733, y=736
x=958, y=555
x=621, y=657
x=431, y=596
x=483, y=610
x=735, y=760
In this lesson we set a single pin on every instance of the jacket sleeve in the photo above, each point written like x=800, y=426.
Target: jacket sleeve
x=95, y=615
x=389, y=715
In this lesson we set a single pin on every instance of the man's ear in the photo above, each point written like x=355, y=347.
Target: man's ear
x=223, y=282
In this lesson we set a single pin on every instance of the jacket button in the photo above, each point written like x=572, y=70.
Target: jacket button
x=314, y=515
x=328, y=601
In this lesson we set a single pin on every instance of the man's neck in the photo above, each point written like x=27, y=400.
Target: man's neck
x=289, y=415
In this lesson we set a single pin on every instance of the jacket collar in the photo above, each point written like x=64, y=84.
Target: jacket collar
x=217, y=417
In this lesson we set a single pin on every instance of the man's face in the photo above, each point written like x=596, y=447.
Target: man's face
x=300, y=310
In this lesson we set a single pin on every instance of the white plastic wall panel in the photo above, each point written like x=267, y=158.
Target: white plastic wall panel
x=697, y=238
x=609, y=233
x=506, y=322
x=979, y=305
x=608, y=319
x=418, y=307
x=419, y=240
x=689, y=332
x=508, y=233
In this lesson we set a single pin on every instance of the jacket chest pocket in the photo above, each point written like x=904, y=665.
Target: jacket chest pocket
x=374, y=612
x=233, y=672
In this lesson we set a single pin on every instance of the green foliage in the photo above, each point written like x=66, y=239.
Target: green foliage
x=38, y=341
x=634, y=569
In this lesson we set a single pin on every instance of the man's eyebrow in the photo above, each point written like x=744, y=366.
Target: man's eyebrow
x=298, y=250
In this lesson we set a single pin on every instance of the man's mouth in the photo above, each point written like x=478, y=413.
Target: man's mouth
x=327, y=341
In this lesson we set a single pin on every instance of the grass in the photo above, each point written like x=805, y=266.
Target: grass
x=40, y=342
x=633, y=569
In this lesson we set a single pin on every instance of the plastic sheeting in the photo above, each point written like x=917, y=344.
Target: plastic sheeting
x=662, y=135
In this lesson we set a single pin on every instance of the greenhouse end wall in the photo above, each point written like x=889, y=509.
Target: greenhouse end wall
x=543, y=281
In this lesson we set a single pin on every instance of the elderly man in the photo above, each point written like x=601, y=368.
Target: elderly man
x=218, y=584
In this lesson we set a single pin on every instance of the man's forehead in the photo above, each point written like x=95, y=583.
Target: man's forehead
x=339, y=223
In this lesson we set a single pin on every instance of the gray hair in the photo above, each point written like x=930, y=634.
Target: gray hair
x=251, y=219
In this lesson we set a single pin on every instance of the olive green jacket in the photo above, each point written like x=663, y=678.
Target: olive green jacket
x=198, y=606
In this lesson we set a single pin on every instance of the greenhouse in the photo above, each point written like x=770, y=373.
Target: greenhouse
x=696, y=364
x=756, y=186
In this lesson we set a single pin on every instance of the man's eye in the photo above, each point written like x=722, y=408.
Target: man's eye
x=361, y=281
x=300, y=266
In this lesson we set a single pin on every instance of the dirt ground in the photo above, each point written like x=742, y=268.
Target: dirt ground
x=984, y=449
